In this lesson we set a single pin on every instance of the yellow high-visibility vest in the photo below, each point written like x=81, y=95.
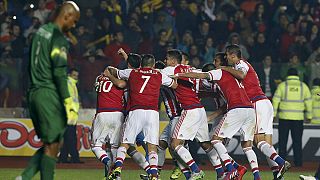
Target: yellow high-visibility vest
x=315, y=105
x=73, y=91
x=291, y=99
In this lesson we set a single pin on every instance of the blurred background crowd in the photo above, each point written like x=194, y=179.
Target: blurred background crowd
x=274, y=36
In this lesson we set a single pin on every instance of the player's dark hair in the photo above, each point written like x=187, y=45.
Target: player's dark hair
x=234, y=49
x=159, y=65
x=208, y=67
x=292, y=72
x=134, y=60
x=185, y=55
x=147, y=60
x=222, y=57
x=175, y=54
x=316, y=82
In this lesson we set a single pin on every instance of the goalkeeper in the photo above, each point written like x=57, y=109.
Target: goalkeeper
x=49, y=101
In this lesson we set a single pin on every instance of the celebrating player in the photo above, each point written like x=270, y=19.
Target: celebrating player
x=264, y=110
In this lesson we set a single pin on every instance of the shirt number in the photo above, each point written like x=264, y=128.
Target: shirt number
x=103, y=86
x=146, y=79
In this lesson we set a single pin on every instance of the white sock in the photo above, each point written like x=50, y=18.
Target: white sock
x=121, y=155
x=222, y=151
x=114, y=150
x=100, y=153
x=273, y=165
x=153, y=160
x=139, y=159
x=213, y=157
x=266, y=148
x=252, y=159
x=161, y=157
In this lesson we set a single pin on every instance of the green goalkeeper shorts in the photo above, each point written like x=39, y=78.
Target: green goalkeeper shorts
x=48, y=115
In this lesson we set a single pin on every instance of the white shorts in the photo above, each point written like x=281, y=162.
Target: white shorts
x=139, y=120
x=192, y=124
x=166, y=134
x=238, y=119
x=264, y=113
x=106, y=128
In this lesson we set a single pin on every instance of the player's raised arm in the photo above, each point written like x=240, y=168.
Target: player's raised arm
x=236, y=73
x=122, y=53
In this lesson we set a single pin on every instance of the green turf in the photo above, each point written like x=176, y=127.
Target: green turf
x=91, y=174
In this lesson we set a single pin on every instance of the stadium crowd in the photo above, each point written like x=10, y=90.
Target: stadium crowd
x=270, y=33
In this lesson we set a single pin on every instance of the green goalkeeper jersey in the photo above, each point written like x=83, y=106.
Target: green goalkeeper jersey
x=48, y=60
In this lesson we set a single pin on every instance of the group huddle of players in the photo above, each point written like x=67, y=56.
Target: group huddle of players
x=127, y=107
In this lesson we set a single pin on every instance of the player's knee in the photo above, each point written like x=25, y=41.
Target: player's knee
x=246, y=144
x=206, y=146
x=175, y=143
x=163, y=144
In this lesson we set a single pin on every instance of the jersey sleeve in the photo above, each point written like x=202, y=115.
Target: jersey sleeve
x=124, y=74
x=58, y=56
x=166, y=80
x=215, y=75
x=242, y=66
x=169, y=71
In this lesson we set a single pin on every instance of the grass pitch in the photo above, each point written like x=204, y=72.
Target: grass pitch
x=97, y=174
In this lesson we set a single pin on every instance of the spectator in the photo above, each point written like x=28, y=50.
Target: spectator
x=160, y=45
x=294, y=62
x=89, y=21
x=242, y=24
x=132, y=34
x=208, y=51
x=114, y=13
x=17, y=42
x=111, y=50
x=202, y=34
x=313, y=66
x=301, y=48
x=83, y=38
x=184, y=15
x=209, y=9
x=260, y=49
x=70, y=135
x=146, y=45
x=269, y=76
x=42, y=13
x=292, y=99
x=186, y=42
x=315, y=101
x=286, y=39
x=33, y=28
x=258, y=19
x=234, y=38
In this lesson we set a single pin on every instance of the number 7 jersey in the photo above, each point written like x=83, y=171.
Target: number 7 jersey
x=144, y=87
x=109, y=97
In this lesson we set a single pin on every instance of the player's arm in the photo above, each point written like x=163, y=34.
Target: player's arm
x=195, y=75
x=118, y=82
x=215, y=114
x=122, y=53
x=236, y=73
x=58, y=57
